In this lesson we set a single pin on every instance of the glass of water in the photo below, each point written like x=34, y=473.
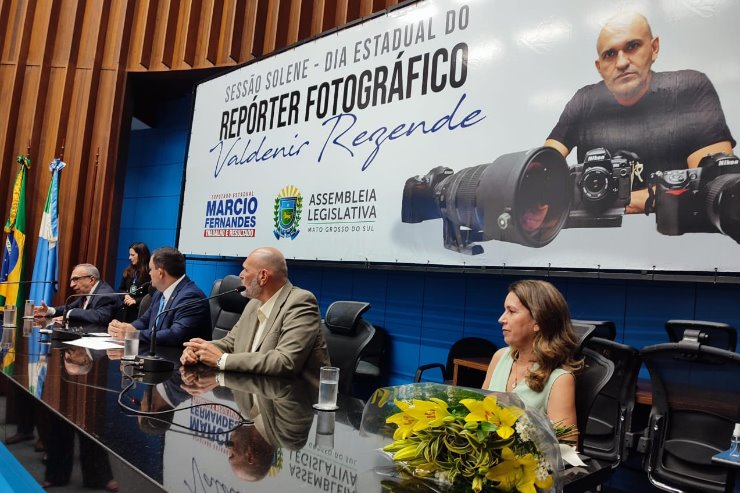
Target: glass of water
x=130, y=344
x=328, y=386
x=9, y=316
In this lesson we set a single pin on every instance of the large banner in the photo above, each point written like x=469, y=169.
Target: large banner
x=573, y=134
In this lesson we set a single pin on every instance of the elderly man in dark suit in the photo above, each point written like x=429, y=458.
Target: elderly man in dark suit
x=96, y=309
x=174, y=289
x=279, y=331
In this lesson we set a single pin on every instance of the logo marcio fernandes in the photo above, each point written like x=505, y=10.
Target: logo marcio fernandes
x=288, y=206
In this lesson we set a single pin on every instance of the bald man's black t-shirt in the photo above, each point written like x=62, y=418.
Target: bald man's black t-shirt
x=679, y=115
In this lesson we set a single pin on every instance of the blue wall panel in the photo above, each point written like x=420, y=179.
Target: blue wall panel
x=593, y=299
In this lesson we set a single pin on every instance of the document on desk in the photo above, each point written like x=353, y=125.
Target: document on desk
x=96, y=343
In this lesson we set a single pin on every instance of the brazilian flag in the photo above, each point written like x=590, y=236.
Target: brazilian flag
x=15, y=230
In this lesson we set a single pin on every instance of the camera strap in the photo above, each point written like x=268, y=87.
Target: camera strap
x=650, y=202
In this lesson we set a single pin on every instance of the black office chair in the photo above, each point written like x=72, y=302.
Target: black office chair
x=467, y=347
x=144, y=303
x=590, y=381
x=584, y=331
x=375, y=359
x=696, y=402
x=346, y=334
x=713, y=334
x=226, y=310
x=610, y=418
x=603, y=329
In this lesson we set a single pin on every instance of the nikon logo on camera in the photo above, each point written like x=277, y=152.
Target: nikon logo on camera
x=728, y=162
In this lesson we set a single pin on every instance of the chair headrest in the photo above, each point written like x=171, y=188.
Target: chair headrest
x=233, y=302
x=342, y=316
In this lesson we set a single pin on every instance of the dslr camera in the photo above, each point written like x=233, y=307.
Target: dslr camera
x=698, y=200
x=602, y=185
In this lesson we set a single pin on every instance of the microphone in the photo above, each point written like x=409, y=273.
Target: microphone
x=139, y=290
x=27, y=282
x=152, y=362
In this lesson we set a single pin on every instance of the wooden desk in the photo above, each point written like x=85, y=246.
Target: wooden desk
x=480, y=364
x=644, y=393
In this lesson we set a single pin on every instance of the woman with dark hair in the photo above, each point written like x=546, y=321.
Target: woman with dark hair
x=539, y=362
x=134, y=276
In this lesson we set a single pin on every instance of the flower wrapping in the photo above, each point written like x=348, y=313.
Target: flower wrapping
x=461, y=439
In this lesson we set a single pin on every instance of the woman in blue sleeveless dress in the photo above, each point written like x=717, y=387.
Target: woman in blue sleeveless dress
x=539, y=362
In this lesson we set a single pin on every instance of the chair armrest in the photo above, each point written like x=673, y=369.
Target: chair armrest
x=428, y=366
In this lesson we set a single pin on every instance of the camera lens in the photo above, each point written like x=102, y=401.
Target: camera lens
x=595, y=184
x=723, y=204
x=541, y=206
x=457, y=197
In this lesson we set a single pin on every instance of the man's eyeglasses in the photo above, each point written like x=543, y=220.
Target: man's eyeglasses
x=77, y=278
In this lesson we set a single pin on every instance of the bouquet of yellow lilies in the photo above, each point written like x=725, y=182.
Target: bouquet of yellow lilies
x=466, y=439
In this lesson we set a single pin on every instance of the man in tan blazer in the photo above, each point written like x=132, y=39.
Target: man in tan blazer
x=279, y=331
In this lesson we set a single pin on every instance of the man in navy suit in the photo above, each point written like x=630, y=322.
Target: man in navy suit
x=174, y=289
x=90, y=310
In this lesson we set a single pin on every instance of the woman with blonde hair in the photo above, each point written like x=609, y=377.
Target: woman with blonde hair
x=539, y=363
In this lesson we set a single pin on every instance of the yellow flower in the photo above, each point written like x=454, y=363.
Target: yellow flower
x=515, y=472
x=428, y=414
x=477, y=484
x=403, y=420
x=488, y=410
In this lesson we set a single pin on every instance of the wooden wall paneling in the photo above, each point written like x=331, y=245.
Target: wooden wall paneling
x=294, y=22
x=151, y=49
x=243, y=45
x=271, y=22
x=40, y=27
x=161, y=25
x=204, y=34
x=238, y=13
x=228, y=30
x=13, y=49
x=217, y=33
x=35, y=86
x=173, y=33
x=138, y=33
x=191, y=36
x=117, y=33
x=92, y=36
x=366, y=7
x=17, y=13
x=340, y=12
x=283, y=23
x=106, y=128
x=353, y=11
x=68, y=26
x=4, y=16
x=77, y=150
x=317, y=18
x=27, y=124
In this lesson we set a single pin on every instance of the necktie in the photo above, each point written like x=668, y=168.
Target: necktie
x=159, y=310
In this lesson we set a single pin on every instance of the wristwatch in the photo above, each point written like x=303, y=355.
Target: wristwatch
x=221, y=363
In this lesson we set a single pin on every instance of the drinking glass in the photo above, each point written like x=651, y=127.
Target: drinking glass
x=328, y=386
x=130, y=344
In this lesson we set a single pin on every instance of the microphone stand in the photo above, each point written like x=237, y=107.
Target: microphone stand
x=152, y=362
x=80, y=295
